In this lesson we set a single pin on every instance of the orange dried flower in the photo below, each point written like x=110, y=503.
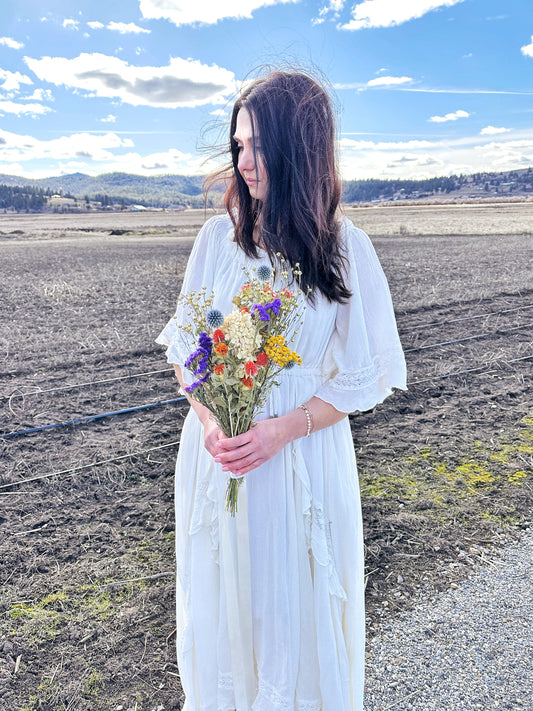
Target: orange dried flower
x=219, y=368
x=221, y=349
x=247, y=382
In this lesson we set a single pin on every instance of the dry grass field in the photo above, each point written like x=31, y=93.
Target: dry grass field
x=86, y=551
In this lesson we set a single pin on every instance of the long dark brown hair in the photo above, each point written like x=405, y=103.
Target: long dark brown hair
x=293, y=118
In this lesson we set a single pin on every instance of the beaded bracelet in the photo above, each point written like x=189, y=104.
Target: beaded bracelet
x=309, y=419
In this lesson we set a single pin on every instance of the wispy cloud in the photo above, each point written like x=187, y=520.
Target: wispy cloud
x=10, y=42
x=450, y=117
x=387, y=13
x=71, y=24
x=95, y=25
x=183, y=82
x=110, y=118
x=389, y=81
x=185, y=12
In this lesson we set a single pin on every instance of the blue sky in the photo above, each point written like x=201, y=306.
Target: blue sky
x=422, y=87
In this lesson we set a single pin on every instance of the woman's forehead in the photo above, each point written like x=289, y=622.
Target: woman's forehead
x=243, y=128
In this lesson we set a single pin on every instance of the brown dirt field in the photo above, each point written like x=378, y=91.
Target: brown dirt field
x=86, y=556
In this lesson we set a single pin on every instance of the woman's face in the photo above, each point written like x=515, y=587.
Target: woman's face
x=250, y=162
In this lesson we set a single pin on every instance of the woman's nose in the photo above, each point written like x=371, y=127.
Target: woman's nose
x=246, y=160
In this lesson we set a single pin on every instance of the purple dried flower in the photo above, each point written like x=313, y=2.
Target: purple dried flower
x=262, y=312
x=274, y=306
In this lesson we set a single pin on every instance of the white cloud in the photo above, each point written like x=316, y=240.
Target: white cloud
x=450, y=117
x=91, y=153
x=389, y=81
x=126, y=28
x=387, y=13
x=183, y=82
x=426, y=159
x=12, y=107
x=185, y=12
x=12, y=80
x=21, y=148
x=333, y=6
x=109, y=119
x=40, y=95
x=71, y=24
x=95, y=25
x=492, y=130
x=10, y=42
x=527, y=49
x=218, y=112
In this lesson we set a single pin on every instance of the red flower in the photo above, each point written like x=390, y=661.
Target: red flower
x=218, y=336
x=245, y=310
x=250, y=368
x=221, y=349
x=247, y=382
x=219, y=368
x=287, y=293
x=262, y=359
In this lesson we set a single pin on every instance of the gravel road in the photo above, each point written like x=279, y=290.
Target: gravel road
x=467, y=649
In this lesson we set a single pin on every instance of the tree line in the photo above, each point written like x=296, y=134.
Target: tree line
x=24, y=199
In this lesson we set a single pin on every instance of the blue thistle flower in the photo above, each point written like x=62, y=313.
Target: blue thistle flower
x=214, y=318
x=264, y=273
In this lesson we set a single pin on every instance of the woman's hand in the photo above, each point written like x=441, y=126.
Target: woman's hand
x=212, y=435
x=247, y=451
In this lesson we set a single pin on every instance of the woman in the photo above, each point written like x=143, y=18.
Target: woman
x=270, y=605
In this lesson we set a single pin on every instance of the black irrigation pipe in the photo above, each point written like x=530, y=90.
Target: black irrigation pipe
x=499, y=332
x=85, y=385
x=91, y=418
x=183, y=399
x=462, y=318
x=467, y=370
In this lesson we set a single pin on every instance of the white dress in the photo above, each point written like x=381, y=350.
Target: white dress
x=303, y=591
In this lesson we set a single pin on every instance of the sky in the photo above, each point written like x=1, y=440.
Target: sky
x=421, y=88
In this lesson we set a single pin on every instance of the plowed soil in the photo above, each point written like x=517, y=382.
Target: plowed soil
x=86, y=509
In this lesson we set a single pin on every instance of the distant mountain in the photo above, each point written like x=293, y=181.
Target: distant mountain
x=182, y=190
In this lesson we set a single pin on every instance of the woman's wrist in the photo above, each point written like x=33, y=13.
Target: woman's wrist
x=293, y=425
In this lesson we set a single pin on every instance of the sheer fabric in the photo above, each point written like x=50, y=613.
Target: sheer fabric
x=303, y=508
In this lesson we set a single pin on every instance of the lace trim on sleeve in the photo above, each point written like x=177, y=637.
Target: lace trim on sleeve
x=369, y=376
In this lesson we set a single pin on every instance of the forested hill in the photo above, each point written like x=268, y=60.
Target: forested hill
x=478, y=185
x=80, y=192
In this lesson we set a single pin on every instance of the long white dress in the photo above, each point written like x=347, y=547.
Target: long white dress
x=303, y=591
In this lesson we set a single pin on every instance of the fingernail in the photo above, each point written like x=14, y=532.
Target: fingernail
x=224, y=469
x=217, y=460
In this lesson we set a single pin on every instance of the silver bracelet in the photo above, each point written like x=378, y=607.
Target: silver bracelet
x=308, y=417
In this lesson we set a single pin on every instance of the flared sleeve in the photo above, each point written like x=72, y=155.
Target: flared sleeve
x=198, y=274
x=364, y=359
